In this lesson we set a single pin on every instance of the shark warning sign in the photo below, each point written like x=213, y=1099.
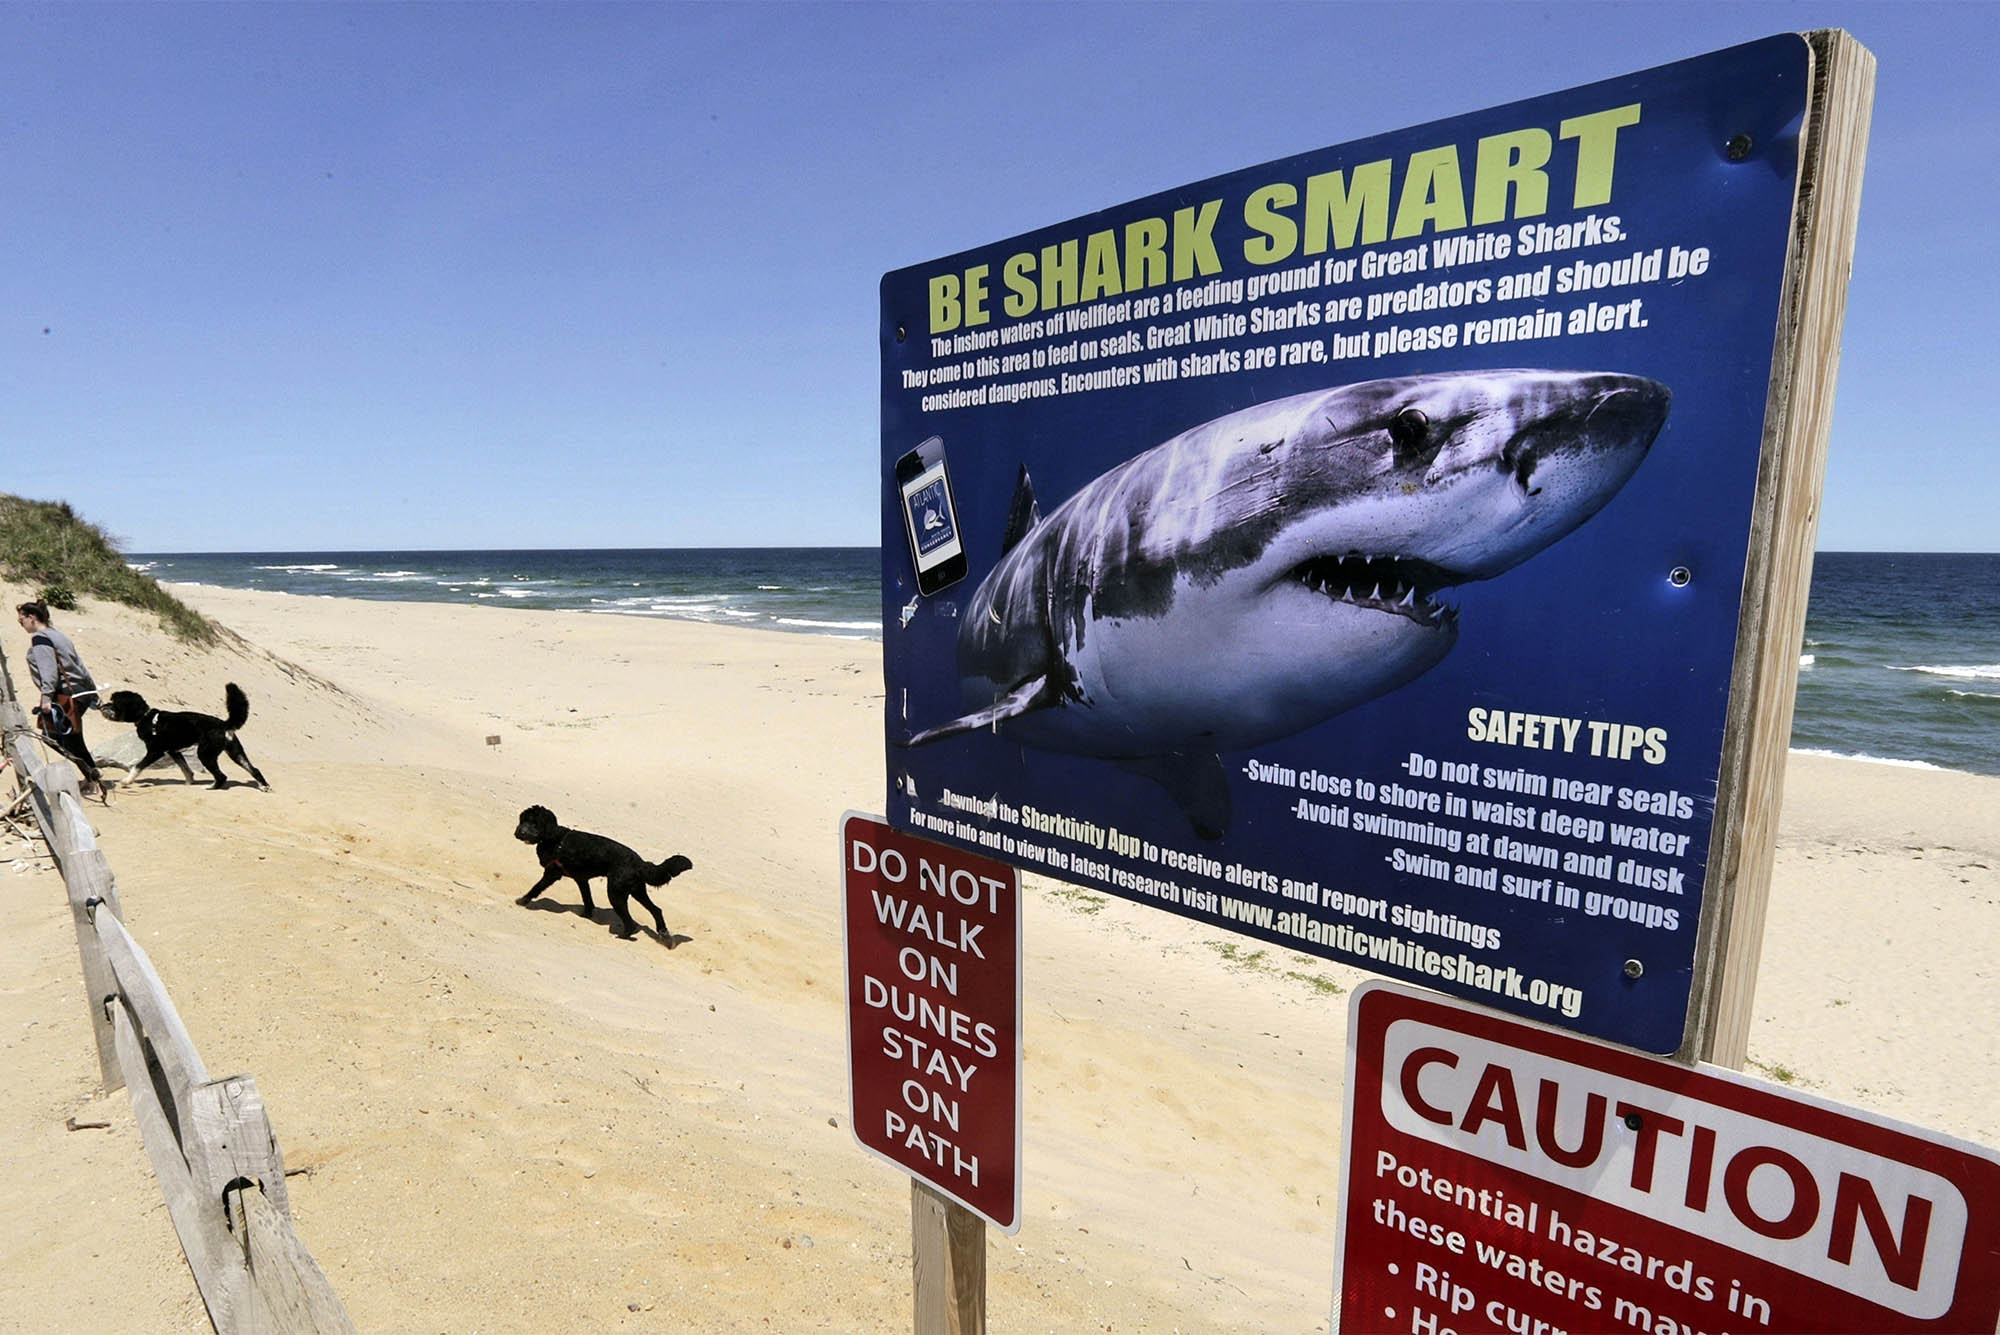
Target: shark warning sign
x=1349, y=551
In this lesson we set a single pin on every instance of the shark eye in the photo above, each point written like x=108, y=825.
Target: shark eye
x=1409, y=428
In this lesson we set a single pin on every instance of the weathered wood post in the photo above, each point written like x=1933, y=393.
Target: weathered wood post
x=1805, y=361
x=948, y=1246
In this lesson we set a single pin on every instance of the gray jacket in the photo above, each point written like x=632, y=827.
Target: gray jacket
x=53, y=663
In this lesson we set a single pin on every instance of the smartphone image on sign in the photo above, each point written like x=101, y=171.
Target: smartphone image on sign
x=930, y=517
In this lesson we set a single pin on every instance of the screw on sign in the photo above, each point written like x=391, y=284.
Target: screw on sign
x=933, y=1013
x=1502, y=1176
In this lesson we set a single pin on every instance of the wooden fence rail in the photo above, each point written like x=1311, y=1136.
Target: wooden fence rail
x=211, y=1146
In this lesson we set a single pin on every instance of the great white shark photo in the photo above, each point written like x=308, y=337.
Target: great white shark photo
x=1267, y=570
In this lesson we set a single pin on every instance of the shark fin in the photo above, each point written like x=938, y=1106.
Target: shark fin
x=1023, y=514
x=1197, y=784
x=1029, y=695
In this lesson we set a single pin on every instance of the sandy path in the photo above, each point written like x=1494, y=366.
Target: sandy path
x=513, y=1121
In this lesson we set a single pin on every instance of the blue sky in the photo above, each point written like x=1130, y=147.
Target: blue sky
x=292, y=276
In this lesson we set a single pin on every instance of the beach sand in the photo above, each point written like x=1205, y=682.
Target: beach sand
x=504, y=1119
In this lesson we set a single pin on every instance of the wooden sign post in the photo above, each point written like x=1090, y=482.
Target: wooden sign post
x=1784, y=524
x=949, y=1257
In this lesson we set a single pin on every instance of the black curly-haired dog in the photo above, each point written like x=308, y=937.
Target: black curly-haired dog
x=170, y=732
x=580, y=856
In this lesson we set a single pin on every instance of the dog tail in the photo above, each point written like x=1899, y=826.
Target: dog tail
x=667, y=870
x=239, y=706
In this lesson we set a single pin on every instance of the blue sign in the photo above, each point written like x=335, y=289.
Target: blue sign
x=1348, y=551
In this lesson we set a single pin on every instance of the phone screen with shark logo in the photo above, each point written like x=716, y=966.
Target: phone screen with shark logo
x=929, y=517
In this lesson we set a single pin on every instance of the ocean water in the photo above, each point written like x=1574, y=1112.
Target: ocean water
x=1901, y=659
x=812, y=590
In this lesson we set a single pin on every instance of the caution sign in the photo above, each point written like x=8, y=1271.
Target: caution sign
x=933, y=940
x=1503, y=1176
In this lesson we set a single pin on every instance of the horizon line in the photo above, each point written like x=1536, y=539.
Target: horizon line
x=818, y=547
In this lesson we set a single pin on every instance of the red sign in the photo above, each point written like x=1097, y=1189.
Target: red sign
x=934, y=1013
x=1500, y=1176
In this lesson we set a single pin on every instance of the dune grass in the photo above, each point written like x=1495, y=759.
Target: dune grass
x=49, y=547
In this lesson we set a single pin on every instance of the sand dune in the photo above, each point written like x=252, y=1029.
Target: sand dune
x=508, y=1120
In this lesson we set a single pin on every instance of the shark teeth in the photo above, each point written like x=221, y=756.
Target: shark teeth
x=1382, y=583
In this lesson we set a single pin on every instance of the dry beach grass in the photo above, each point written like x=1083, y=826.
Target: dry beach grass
x=508, y=1120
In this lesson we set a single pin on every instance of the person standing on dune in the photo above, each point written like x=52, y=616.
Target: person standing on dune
x=67, y=691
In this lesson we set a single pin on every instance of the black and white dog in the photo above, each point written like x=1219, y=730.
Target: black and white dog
x=580, y=856
x=170, y=732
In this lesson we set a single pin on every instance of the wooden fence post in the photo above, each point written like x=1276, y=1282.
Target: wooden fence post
x=68, y=832
x=292, y=1291
x=211, y=1253
x=232, y=1138
x=948, y=1252
x=234, y=1153
x=87, y=879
